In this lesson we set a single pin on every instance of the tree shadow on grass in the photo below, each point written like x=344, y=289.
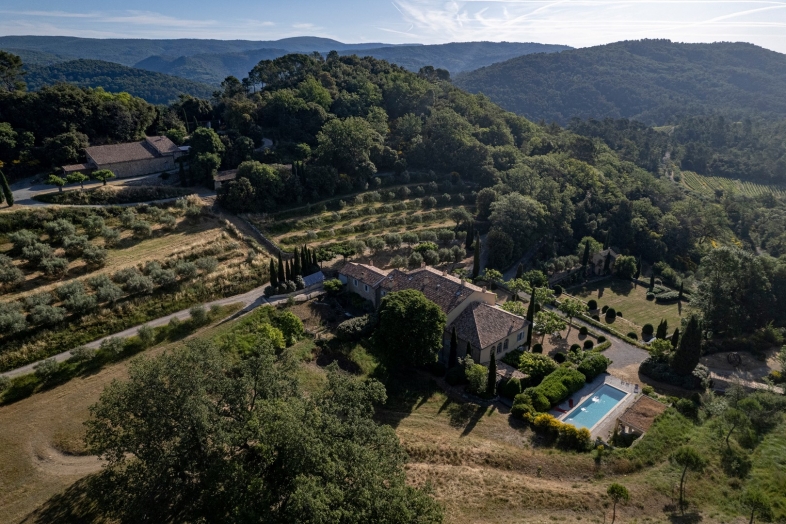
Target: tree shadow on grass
x=82, y=502
x=693, y=517
x=407, y=392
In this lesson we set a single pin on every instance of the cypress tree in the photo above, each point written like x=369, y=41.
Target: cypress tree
x=682, y=288
x=296, y=268
x=453, y=357
x=281, y=275
x=652, y=281
x=273, y=274
x=607, y=263
x=531, y=317
x=7, y=193
x=688, y=352
x=520, y=270
x=585, y=258
x=491, y=384
x=315, y=261
x=607, y=243
x=304, y=259
x=638, y=269
x=675, y=338
x=663, y=330
x=468, y=351
x=476, y=259
x=470, y=235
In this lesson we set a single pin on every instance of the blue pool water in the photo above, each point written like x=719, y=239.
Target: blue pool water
x=589, y=412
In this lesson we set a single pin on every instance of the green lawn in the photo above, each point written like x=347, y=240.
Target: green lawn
x=631, y=299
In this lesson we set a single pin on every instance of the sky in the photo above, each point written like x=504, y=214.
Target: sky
x=578, y=23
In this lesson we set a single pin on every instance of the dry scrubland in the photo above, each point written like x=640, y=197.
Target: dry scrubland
x=483, y=466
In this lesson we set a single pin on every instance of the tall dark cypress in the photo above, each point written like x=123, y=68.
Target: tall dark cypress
x=470, y=235
x=296, y=268
x=682, y=289
x=520, y=270
x=476, y=259
x=675, y=338
x=531, y=317
x=607, y=243
x=585, y=258
x=304, y=263
x=638, y=269
x=314, y=255
x=468, y=351
x=688, y=352
x=273, y=274
x=7, y=193
x=652, y=281
x=491, y=384
x=453, y=356
x=663, y=330
x=281, y=275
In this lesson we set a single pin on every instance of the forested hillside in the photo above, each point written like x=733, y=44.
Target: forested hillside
x=655, y=81
x=156, y=88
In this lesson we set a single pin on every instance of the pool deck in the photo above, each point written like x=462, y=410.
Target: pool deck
x=605, y=426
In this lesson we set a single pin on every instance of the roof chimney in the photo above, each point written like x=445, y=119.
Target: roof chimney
x=484, y=289
x=371, y=263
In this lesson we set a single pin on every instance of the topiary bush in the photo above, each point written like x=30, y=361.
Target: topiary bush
x=588, y=344
x=592, y=304
x=537, y=348
x=511, y=388
x=596, y=317
x=559, y=358
x=611, y=313
x=575, y=347
x=583, y=331
x=557, y=290
x=619, y=313
x=647, y=330
x=604, y=309
x=632, y=335
x=650, y=296
x=557, y=386
x=535, y=366
x=602, y=339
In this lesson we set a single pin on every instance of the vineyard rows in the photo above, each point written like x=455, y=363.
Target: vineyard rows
x=707, y=185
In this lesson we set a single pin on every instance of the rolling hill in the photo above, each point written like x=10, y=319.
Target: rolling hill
x=156, y=88
x=655, y=81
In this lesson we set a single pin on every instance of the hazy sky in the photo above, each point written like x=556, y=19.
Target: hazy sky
x=573, y=22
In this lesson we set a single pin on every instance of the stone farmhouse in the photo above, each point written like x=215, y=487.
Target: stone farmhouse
x=598, y=261
x=489, y=329
x=154, y=154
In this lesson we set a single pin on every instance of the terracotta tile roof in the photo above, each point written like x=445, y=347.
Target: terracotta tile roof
x=369, y=275
x=642, y=413
x=482, y=324
x=151, y=147
x=74, y=168
x=446, y=291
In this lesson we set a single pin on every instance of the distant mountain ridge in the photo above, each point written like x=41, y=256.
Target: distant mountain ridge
x=655, y=81
x=156, y=88
x=210, y=61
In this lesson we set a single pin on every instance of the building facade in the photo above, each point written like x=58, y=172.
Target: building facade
x=155, y=154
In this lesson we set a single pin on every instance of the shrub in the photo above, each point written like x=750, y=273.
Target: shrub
x=22, y=239
x=611, y=313
x=80, y=303
x=356, y=328
x=511, y=388
x=575, y=347
x=477, y=376
x=5, y=383
x=113, y=345
x=595, y=317
x=147, y=335
x=522, y=408
x=186, y=270
x=111, y=236
x=647, y=330
x=94, y=256
x=124, y=275
x=557, y=386
x=431, y=257
x=36, y=252
x=601, y=339
x=198, y=315
x=537, y=348
x=536, y=366
x=54, y=267
x=604, y=309
x=163, y=277
x=93, y=225
x=588, y=344
x=583, y=330
x=46, y=369
x=559, y=358
x=206, y=264
x=669, y=296
x=456, y=376
x=632, y=335
x=619, y=313
x=333, y=286
x=59, y=229
x=415, y=260
x=592, y=304
x=557, y=290
x=592, y=365
x=141, y=229
x=82, y=354
x=74, y=245
x=534, y=398
x=139, y=284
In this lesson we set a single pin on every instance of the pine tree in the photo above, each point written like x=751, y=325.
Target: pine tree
x=491, y=384
x=682, y=289
x=663, y=330
x=675, y=338
x=453, y=357
x=476, y=259
x=273, y=274
x=7, y=193
x=531, y=317
x=468, y=351
x=281, y=275
x=585, y=258
x=688, y=352
x=296, y=268
x=520, y=270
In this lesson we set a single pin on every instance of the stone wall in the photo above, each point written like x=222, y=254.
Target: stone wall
x=141, y=167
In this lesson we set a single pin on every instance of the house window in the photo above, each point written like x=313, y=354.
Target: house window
x=506, y=344
x=519, y=337
x=356, y=282
x=499, y=348
x=365, y=287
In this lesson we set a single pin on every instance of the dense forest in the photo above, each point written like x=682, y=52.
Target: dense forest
x=156, y=88
x=654, y=81
x=708, y=145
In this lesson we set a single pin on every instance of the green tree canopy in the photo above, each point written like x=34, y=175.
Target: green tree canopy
x=410, y=329
x=11, y=72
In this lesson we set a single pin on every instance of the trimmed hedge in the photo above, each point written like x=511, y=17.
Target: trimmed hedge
x=593, y=365
x=555, y=388
x=669, y=296
x=510, y=388
x=588, y=344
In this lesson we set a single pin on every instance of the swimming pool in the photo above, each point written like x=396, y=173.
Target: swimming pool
x=589, y=412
